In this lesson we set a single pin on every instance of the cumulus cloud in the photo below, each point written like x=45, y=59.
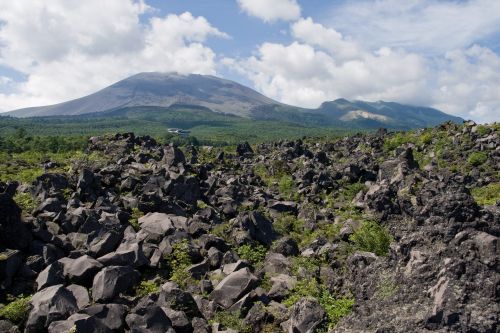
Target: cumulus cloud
x=271, y=10
x=427, y=26
x=71, y=48
x=323, y=65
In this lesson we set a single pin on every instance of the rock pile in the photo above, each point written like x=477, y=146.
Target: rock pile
x=368, y=233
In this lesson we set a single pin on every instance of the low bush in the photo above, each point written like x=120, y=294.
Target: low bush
x=254, y=254
x=146, y=288
x=17, y=310
x=477, y=158
x=371, y=237
x=179, y=260
x=487, y=195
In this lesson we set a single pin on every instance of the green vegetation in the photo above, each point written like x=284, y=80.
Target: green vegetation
x=134, y=218
x=348, y=192
x=254, y=254
x=231, y=320
x=290, y=225
x=371, y=237
x=179, y=260
x=25, y=201
x=17, y=310
x=287, y=189
x=335, y=307
x=477, y=158
x=487, y=195
x=146, y=287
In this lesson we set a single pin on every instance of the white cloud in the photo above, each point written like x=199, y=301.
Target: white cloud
x=71, y=48
x=428, y=26
x=468, y=83
x=271, y=10
x=323, y=65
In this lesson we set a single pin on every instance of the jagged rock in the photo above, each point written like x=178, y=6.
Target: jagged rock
x=128, y=253
x=150, y=319
x=112, y=280
x=233, y=286
x=81, y=270
x=49, y=305
x=81, y=295
x=177, y=299
x=180, y=321
x=244, y=150
x=10, y=262
x=286, y=246
x=258, y=227
x=306, y=316
x=173, y=156
x=78, y=322
x=50, y=276
x=13, y=232
x=110, y=315
x=156, y=226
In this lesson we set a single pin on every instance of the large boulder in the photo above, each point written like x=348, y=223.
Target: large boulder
x=49, y=305
x=233, y=287
x=306, y=315
x=150, y=319
x=111, y=315
x=81, y=270
x=50, y=276
x=155, y=226
x=13, y=232
x=79, y=322
x=113, y=280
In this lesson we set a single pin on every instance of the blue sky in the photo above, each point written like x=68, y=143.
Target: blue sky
x=439, y=53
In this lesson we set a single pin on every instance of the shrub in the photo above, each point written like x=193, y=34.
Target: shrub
x=179, y=260
x=17, y=310
x=232, y=320
x=146, y=288
x=134, y=218
x=25, y=201
x=477, y=158
x=254, y=254
x=371, y=237
x=335, y=308
x=286, y=187
x=487, y=195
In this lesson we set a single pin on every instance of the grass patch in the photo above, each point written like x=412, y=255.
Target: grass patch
x=17, y=310
x=487, y=195
x=371, y=237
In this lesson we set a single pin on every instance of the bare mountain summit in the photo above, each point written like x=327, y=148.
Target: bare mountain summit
x=162, y=90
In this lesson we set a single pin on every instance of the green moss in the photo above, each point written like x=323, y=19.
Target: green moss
x=477, y=158
x=371, y=237
x=254, y=254
x=201, y=204
x=487, y=195
x=17, y=310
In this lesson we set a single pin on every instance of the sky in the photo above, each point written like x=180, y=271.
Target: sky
x=439, y=53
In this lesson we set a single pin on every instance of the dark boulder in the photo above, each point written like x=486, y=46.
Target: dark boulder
x=113, y=280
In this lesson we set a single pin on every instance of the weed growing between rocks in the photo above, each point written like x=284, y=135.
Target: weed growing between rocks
x=178, y=261
x=487, y=195
x=371, y=237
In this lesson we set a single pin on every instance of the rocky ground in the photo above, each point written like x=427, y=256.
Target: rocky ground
x=387, y=232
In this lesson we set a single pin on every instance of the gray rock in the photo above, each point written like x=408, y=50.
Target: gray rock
x=111, y=315
x=128, y=253
x=81, y=295
x=180, y=321
x=233, y=287
x=78, y=322
x=156, y=226
x=113, y=280
x=50, y=276
x=82, y=270
x=306, y=316
x=105, y=243
x=151, y=319
x=48, y=305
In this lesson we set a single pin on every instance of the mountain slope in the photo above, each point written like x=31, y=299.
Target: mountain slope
x=163, y=90
x=228, y=98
